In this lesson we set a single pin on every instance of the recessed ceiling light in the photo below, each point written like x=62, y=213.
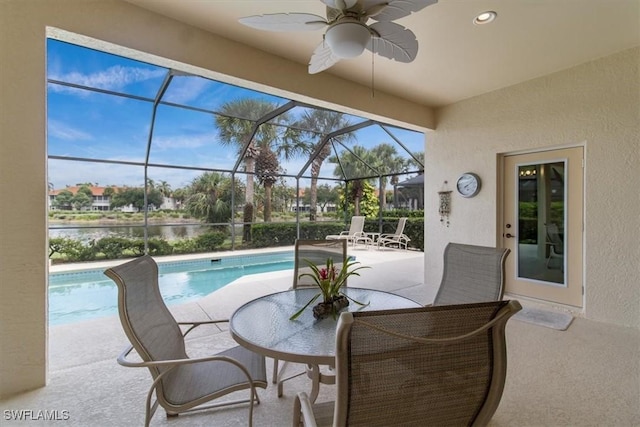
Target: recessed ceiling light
x=485, y=17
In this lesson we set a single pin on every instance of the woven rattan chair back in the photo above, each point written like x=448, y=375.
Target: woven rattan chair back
x=316, y=252
x=443, y=366
x=471, y=274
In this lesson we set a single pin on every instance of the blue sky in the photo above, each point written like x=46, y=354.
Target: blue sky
x=102, y=126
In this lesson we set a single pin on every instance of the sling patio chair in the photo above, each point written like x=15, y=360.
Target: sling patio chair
x=397, y=239
x=355, y=231
x=180, y=383
x=316, y=252
x=437, y=366
x=556, y=246
x=471, y=274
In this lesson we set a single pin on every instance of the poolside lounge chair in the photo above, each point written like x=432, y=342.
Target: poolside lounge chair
x=421, y=366
x=179, y=382
x=355, y=231
x=471, y=274
x=397, y=239
x=317, y=252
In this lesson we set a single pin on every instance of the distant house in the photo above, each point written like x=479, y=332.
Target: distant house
x=300, y=205
x=100, y=202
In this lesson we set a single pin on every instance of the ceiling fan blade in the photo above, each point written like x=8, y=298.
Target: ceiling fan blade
x=394, y=42
x=394, y=9
x=322, y=58
x=285, y=22
x=340, y=4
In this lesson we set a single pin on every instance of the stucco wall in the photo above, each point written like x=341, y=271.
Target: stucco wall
x=596, y=104
x=23, y=233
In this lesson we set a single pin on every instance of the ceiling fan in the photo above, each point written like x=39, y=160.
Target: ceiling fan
x=347, y=33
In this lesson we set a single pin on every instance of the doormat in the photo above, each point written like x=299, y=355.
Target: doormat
x=546, y=318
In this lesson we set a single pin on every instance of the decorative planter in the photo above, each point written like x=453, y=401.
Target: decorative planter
x=331, y=307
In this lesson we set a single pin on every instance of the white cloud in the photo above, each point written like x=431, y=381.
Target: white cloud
x=186, y=89
x=113, y=78
x=183, y=141
x=60, y=130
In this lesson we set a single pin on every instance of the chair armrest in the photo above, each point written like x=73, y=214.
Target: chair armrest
x=196, y=324
x=171, y=363
x=344, y=233
x=302, y=407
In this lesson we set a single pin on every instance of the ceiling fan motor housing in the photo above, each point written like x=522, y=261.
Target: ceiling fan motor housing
x=348, y=39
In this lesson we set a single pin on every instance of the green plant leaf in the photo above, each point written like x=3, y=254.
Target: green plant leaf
x=299, y=312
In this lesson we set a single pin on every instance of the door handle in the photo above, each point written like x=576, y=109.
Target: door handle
x=509, y=235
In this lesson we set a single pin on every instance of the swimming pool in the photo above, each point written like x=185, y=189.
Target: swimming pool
x=89, y=294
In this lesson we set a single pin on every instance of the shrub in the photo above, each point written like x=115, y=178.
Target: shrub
x=113, y=247
x=159, y=246
x=284, y=233
x=210, y=240
x=184, y=246
x=73, y=250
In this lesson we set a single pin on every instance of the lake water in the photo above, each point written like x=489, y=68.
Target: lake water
x=168, y=232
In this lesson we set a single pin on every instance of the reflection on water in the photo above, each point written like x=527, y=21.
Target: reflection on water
x=167, y=232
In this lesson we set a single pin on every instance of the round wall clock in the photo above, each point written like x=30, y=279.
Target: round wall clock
x=468, y=184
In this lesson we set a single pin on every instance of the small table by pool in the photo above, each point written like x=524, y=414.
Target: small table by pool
x=263, y=326
x=369, y=238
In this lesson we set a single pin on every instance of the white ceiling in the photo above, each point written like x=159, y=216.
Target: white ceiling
x=456, y=59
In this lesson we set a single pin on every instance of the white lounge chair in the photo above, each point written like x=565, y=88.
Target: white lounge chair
x=355, y=231
x=397, y=239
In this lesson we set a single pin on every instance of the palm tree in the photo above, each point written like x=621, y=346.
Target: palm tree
x=353, y=165
x=267, y=168
x=386, y=160
x=208, y=197
x=164, y=188
x=235, y=127
x=321, y=123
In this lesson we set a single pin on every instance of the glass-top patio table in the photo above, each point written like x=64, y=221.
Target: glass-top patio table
x=263, y=326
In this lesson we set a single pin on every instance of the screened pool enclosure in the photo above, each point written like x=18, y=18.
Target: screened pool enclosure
x=142, y=158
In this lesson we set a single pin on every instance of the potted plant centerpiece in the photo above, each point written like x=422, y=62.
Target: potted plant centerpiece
x=330, y=282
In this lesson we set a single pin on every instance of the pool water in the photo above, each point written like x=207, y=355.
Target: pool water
x=89, y=294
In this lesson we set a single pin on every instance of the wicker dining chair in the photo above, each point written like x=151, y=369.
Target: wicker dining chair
x=471, y=274
x=438, y=365
x=180, y=383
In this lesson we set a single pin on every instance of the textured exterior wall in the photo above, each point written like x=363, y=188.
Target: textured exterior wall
x=596, y=104
x=23, y=232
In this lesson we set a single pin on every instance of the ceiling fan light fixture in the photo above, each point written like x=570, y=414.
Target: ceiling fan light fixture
x=485, y=17
x=348, y=39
